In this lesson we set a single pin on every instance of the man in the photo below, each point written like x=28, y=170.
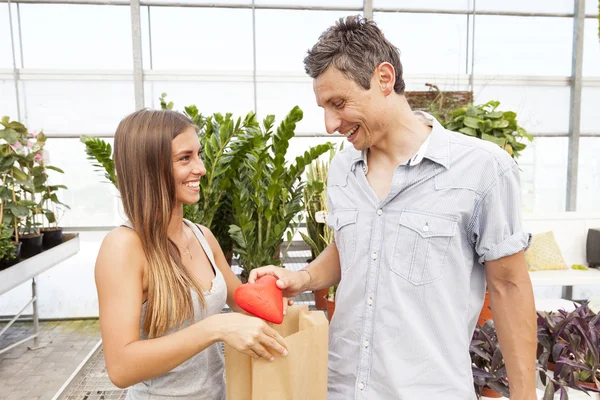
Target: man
x=423, y=219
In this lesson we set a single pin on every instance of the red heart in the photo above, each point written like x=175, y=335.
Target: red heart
x=263, y=299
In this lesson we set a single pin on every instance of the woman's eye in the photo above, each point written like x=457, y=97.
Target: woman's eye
x=184, y=158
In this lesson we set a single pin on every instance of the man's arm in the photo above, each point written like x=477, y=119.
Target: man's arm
x=513, y=308
x=323, y=272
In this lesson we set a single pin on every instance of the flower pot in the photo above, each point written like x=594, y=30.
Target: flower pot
x=31, y=245
x=588, y=384
x=52, y=237
x=487, y=392
x=486, y=311
x=330, y=309
x=321, y=298
x=9, y=263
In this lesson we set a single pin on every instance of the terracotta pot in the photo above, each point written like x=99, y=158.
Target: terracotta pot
x=487, y=392
x=588, y=384
x=330, y=309
x=321, y=298
x=486, y=311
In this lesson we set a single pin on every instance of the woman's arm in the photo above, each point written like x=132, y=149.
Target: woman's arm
x=119, y=280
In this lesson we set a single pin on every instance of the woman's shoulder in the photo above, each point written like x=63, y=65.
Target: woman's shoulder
x=121, y=246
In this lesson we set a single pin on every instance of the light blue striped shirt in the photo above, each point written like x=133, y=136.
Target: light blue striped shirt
x=413, y=280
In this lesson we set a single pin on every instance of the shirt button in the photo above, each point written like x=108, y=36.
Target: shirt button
x=366, y=343
x=379, y=212
x=374, y=255
x=426, y=228
x=370, y=301
x=361, y=386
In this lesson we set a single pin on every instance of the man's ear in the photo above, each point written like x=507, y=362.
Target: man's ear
x=385, y=77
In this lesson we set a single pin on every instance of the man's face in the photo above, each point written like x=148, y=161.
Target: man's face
x=349, y=108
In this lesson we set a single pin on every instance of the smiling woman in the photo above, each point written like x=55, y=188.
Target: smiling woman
x=162, y=281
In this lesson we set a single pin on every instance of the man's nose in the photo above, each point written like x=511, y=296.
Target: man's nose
x=332, y=122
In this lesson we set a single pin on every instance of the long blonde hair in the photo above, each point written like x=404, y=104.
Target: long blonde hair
x=144, y=168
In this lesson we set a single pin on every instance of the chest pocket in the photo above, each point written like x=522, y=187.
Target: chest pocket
x=344, y=226
x=421, y=245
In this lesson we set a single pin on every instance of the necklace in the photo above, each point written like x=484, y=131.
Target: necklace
x=186, y=250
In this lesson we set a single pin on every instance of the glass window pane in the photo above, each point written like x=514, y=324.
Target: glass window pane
x=272, y=99
x=543, y=166
x=320, y=3
x=591, y=7
x=8, y=99
x=540, y=109
x=588, y=182
x=209, y=97
x=424, y=4
x=201, y=39
x=591, y=48
x=69, y=107
x=284, y=36
x=546, y=6
x=76, y=36
x=6, y=60
x=93, y=201
x=590, y=117
x=510, y=53
x=440, y=48
x=557, y=6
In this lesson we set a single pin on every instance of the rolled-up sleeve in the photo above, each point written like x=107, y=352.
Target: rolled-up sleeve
x=497, y=229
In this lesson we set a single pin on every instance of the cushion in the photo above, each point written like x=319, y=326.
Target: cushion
x=543, y=254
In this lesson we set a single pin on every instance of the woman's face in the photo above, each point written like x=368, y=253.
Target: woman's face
x=187, y=166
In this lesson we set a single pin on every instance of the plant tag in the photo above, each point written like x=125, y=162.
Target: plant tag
x=594, y=303
x=320, y=216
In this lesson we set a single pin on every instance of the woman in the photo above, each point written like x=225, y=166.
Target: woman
x=163, y=281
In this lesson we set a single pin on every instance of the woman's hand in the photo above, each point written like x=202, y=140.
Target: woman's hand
x=250, y=335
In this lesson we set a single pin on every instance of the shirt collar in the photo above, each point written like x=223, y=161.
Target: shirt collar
x=434, y=148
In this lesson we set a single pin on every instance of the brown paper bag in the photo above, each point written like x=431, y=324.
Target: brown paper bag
x=301, y=375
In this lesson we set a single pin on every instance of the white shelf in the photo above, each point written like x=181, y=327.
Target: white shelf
x=568, y=277
x=28, y=269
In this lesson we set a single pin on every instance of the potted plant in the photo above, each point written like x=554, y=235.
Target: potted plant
x=489, y=370
x=486, y=122
x=437, y=102
x=318, y=235
x=268, y=192
x=52, y=208
x=29, y=155
x=569, y=350
x=9, y=250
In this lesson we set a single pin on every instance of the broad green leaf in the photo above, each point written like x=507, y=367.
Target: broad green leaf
x=468, y=131
x=472, y=122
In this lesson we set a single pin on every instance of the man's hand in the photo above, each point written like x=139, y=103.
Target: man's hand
x=291, y=283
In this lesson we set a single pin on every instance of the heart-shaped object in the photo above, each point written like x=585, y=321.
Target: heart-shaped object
x=262, y=299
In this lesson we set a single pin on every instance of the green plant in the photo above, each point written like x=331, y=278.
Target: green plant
x=100, y=152
x=19, y=208
x=268, y=194
x=485, y=122
x=318, y=235
x=8, y=249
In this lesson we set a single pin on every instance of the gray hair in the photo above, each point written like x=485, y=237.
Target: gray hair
x=355, y=46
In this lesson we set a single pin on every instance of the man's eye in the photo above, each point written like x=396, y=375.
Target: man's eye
x=339, y=104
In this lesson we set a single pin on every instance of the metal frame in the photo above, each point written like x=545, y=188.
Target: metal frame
x=575, y=81
x=27, y=270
